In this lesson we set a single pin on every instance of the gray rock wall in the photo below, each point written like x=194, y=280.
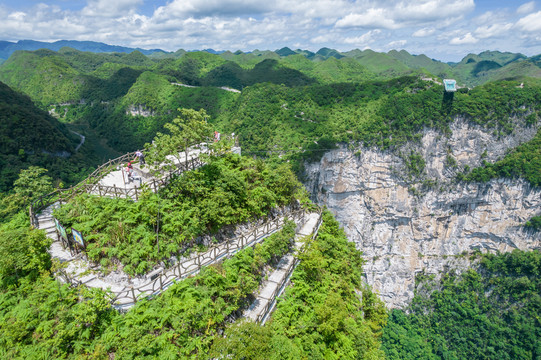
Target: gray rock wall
x=404, y=226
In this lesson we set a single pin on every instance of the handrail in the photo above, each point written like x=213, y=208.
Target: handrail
x=87, y=185
x=130, y=295
x=269, y=306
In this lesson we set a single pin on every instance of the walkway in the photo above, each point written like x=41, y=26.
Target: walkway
x=126, y=291
x=82, y=140
x=117, y=184
x=145, y=174
x=272, y=288
x=226, y=88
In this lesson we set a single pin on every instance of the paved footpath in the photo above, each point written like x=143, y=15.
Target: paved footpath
x=81, y=271
x=143, y=174
x=273, y=287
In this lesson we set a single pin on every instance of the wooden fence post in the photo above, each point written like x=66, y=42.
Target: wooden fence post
x=161, y=282
x=133, y=295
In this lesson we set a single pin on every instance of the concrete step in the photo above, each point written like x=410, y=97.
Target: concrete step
x=267, y=291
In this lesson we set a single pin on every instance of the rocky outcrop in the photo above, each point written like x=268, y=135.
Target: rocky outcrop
x=407, y=223
x=140, y=110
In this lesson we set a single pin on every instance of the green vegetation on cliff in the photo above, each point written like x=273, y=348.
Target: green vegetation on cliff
x=522, y=162
x=489, y=312
x=229, y=190
x=31, y=137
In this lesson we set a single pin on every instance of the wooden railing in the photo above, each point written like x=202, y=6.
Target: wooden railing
x=269, y=307
x=64, y=194
x=91, y=185
x=161, y=281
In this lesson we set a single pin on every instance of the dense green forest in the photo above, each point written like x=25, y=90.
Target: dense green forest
x=287, y=102
x=488, y=312
x=327, y=313
x=31, y=137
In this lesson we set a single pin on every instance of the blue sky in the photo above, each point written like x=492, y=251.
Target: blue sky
x=442, y=29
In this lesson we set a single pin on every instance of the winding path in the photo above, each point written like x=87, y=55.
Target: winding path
x=272, y=288
x=226, y=88
x=82, y=140
x=125, y=291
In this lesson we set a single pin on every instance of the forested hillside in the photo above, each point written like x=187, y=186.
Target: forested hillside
x=29, y=136
x=287, y=103
x=488, y=312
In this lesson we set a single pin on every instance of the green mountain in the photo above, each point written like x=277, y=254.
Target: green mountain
x=29, y=136
x=422, y=62
x=285, y=51
x=7, y=48
x=477, y=69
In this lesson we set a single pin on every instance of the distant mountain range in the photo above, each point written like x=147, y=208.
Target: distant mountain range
x=472, y=70
x=7, y=47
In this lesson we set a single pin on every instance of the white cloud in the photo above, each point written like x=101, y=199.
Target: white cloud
x=465, y=39
x=18, y=15
x=424, y=32
x=526, y=8
x=372, y=18
x=397, y=44
x=204, y=8
x=110, y=8
x=362, y=40
x=432, y=10
x=530, y=22
x=396, y=15
x=484, y=32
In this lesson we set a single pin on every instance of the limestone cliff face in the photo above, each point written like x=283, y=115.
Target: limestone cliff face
x=139, y=110
x=406, y=224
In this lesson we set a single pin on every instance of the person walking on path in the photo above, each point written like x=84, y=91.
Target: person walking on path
x=141, y=157
x=129, y=172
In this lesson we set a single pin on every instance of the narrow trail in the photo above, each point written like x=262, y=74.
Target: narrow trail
x=82, y=140
x=127, y=291
x=219, y=87
x=272, y=288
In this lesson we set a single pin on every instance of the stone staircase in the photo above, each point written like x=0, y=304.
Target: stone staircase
x=78, y=271
x=277, y=281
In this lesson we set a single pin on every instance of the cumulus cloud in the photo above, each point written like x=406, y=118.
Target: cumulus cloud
x=526, y=8
x=432, y=10
x=362, y=40
x=110, y=8
x=372, y=18
x=488, y=31
x=424, y=32
x=204, y=8
x=530, y=22
x=465, y=39
x=394, y=15
x=397, y=44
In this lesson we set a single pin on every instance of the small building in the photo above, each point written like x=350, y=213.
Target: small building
x=450, y=85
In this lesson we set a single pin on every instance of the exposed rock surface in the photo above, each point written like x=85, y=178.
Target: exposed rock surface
x=405, y=223
x=140, y=110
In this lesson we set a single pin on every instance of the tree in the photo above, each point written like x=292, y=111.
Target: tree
x=23, y=252
x=31, y=184
x=189, y=129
